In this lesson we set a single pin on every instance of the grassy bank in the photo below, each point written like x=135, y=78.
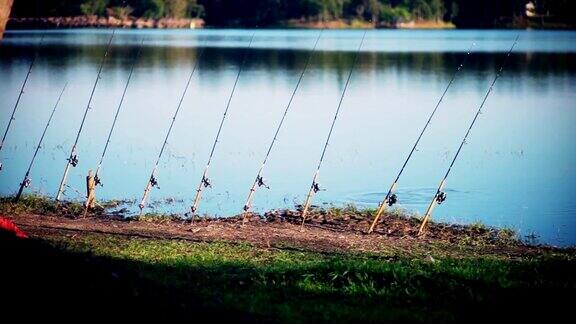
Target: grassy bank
x=152, y=278
x=395, y=223
x=272, y=270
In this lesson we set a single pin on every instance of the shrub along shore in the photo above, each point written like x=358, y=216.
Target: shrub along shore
x=296, y=13
x=193, y=23
x=104, y=22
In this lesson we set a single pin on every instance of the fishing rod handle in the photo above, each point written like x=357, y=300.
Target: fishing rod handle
x=382, y=207
x=307, y=204
x=194, y=207
x=431, y=206
x=22, y=186
x=199, y=190
x=147, y=190
x=63, y=182
x=145, y=197
x=255, y=186
x=197, y=198
x=311, y=193
x=248, y=204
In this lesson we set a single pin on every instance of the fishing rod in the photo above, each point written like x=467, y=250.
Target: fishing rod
x=440, y=195
x=390, y=199
x=97, y=179
x=20, y=95
x=259, y=181
x=315, y=187
x=73, y=158
x=153, y=182
x=205, y=181
x=27, y=180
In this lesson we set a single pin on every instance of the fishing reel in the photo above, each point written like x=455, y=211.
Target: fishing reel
x=261, y=183
x=97, y=181
x=73, y=160
x=440, y=197
x=393, y=199
x=316, y=187
x=206, y=182
x=154, y=182
x=26, y=183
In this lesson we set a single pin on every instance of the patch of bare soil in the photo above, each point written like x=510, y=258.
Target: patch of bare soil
x=322, y=232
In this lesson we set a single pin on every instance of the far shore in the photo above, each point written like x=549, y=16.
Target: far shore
x=194, y=23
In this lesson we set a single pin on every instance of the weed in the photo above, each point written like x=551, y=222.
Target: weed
x=39, y=205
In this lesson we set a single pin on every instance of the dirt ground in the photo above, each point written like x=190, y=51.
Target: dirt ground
x=282, y=229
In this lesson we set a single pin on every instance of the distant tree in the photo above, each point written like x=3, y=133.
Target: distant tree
x=195, y=9
x=437, y=9
x=391, y=15
x=154, y=8
x=463, y=13
x=324, y=9
x=372, y=10
x=176, y=8
x=94, y=7
x=119, y=12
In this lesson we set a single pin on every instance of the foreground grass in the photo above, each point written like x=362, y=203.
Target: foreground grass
x=443, y=280
x=245, y=282
x=42, y=205
x=38, y=205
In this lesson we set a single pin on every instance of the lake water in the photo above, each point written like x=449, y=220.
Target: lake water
x=517, y=170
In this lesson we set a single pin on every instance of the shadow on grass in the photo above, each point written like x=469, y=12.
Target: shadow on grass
x=46, y=281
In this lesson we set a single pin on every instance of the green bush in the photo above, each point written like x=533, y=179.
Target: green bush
x=154, y=8
x=120, y=12
x=393, y=15
x=94, y=7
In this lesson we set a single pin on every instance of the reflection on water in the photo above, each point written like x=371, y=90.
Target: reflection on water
x=517, y=171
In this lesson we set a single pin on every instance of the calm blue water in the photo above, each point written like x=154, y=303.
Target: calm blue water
x=518, y=169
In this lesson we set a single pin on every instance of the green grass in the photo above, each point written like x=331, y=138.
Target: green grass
x=290, y=285
x=39, y=205
x=439, y=281
x=474, y=234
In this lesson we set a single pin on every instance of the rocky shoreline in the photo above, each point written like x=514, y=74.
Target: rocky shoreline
x=104, y=22
x=345, y=24
x=192, y=23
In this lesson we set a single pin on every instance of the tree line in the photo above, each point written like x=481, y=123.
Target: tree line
x=249, y=13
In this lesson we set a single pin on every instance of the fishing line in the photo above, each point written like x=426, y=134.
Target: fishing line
x=73, y=158
x=205, y=181
x=259, y=181
x=390, y=199
x=315, y=187
x=153, y=182
x=16, y=105
x=27, y=180
x=97, y=179
x=440, y=195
